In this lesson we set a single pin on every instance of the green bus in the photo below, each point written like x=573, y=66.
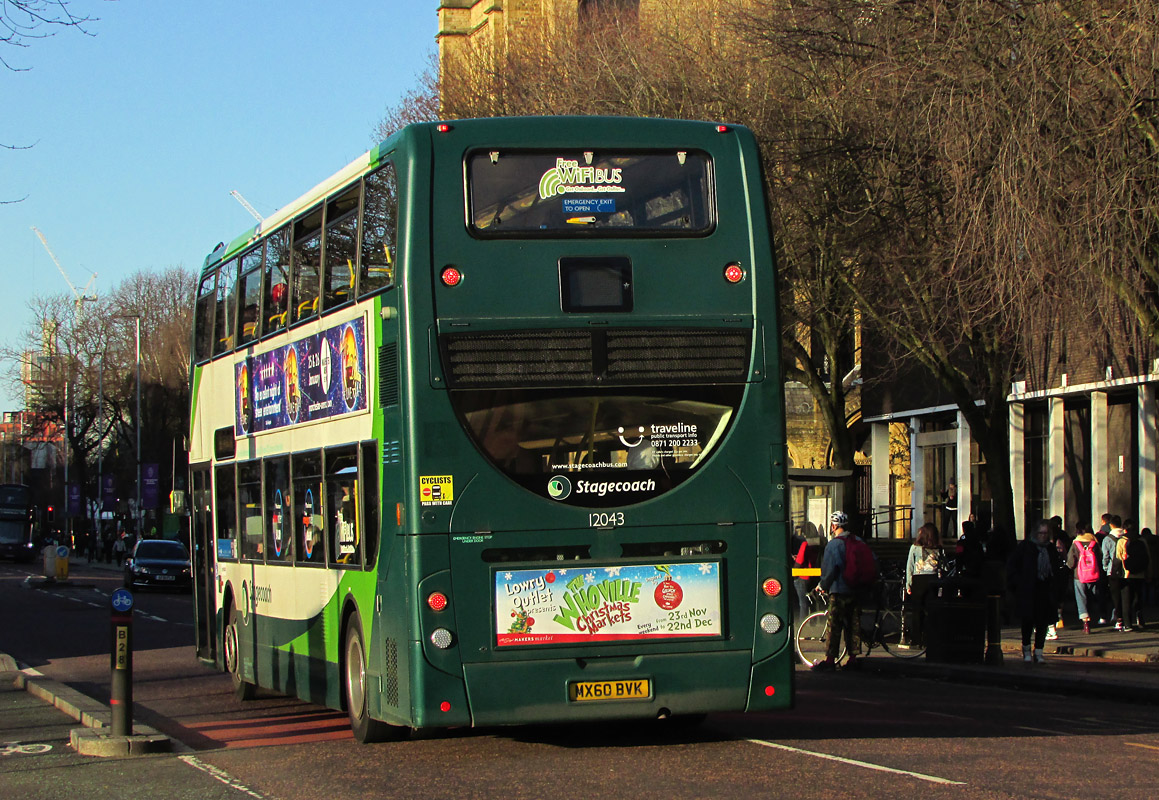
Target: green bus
x=488, y=429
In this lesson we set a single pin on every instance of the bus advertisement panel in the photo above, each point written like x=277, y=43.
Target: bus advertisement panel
x=317, y=377
x=607, y=604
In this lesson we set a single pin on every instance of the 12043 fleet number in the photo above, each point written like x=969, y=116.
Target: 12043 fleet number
x=610, y=520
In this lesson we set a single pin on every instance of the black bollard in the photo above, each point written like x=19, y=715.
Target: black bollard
x=121, y=696
x=994, y=629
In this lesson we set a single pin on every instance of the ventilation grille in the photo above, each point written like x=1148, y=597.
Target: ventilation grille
x=519, y=358
x=615, y=357
x=388, y=374
x=391, y=693
x=677, y=356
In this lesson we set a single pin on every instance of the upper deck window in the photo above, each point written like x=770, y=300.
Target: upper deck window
x=577, y=193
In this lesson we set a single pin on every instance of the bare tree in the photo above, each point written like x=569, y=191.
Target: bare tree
x=22, y=21
x=83, y=379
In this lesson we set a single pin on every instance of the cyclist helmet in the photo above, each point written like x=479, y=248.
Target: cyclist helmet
x=839, y=518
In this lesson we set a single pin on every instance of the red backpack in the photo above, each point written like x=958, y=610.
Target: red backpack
x=1088, y=569
x=860, y=566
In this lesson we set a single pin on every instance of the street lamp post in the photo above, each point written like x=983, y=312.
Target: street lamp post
x=137, y=319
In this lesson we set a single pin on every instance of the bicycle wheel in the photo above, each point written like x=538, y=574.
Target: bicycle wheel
x=889, y=636
x=812, y=639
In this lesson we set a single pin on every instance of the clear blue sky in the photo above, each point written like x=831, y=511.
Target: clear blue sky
x=141, y=131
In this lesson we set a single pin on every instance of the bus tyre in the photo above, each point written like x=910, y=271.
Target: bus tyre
x=366, y=729
x=231, y=648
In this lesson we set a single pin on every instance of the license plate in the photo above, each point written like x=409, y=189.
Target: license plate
x=166, y=577
x=581, y=691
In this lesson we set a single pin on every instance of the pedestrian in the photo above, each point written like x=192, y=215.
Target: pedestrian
x=107, y=544
x=804, y=557
x=1152, y=542
x=119, y=548
x=1062, y=544
x=1132, y=551
x=969, y=551
x=950, y=507
x=921, y=569
x=844, y=616
x=1105, y=528
x=1085, y=561
x=1113, y=569
x=1033, y=573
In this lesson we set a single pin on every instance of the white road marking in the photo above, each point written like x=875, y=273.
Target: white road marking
x=1041, y=730
x=865, y=764
x=221, y=775
x=944, y=714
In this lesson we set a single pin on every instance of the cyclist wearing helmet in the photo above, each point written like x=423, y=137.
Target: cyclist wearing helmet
x=844, y=613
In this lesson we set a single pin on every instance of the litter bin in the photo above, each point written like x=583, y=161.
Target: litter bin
x=955, y=624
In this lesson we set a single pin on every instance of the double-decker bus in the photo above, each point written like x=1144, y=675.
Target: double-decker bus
x=488, y=429
x=17, y=537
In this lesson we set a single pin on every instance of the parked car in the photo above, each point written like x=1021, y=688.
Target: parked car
x=158, y=562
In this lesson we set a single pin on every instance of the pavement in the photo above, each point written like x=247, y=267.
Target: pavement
x=1104, y=663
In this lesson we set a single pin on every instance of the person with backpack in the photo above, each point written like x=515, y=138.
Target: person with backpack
x=848, y=570
x=1033, y=572
x=1113, y=569
x=1132, y=551
x=1085, y=561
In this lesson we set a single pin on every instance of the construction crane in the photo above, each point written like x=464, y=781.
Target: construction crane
x=81, y=296
x=245, y=204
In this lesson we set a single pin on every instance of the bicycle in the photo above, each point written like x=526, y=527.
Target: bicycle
x=812, y=637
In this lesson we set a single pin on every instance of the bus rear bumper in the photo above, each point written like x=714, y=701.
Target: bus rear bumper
x=541, y=691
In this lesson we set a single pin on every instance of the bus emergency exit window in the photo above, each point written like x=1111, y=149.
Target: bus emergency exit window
x=595, y=284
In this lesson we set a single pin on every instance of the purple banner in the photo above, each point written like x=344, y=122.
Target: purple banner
x=321, y=376
x=108, y=491
x=150, y=481
x=74, y=500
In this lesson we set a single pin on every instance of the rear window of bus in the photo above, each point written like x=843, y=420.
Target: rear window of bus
x=585, y=193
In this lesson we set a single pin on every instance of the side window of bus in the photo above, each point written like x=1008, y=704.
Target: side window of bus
x=307, y=265
x=279, y=539
x=226, y=504
x=342, y=506
x=277, y=282
x=379, y=232
x=340, y=247
x=249, y=295
x=224, y=337
x=308, y=518
x=249, y=503
x=370, y=532
x=203, y=336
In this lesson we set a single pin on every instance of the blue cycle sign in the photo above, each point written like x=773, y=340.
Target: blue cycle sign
x=122, y=601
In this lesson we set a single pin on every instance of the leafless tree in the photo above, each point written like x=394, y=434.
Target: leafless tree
x=22, y=21
x=84, y=370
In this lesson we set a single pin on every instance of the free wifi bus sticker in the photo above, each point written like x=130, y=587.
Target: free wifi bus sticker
x=436, y=490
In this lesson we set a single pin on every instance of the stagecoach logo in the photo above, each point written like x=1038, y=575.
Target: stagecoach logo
x=559, y=487
x=568, y=176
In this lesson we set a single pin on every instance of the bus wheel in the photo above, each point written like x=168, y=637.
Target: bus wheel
x=365, y=728
x=230, y=646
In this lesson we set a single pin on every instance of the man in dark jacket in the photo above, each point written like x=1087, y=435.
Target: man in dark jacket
x=1033, y=573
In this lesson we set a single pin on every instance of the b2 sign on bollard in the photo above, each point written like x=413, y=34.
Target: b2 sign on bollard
x=121, y=696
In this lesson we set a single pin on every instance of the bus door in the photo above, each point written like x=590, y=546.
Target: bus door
x=204, y=594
